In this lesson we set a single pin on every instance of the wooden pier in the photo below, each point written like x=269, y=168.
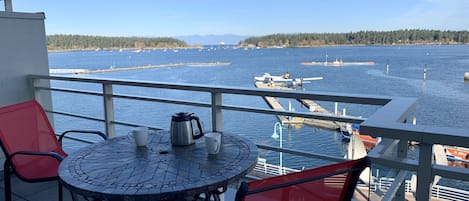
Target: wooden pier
x=316, y=108
x=275, y=104
x=311, y=105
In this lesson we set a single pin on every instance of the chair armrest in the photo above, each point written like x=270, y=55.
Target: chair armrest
x=243, y=189
x=37, y=153
x=101, y=134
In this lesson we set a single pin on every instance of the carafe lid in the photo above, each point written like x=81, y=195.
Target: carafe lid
x=182, y=116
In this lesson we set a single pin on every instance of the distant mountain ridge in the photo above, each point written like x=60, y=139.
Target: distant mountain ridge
x=212, y=39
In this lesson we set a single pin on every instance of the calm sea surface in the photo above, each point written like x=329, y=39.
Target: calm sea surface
x=442, y=97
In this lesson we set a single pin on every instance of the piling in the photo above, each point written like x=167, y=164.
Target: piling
x=466, y=76
x=425, y=72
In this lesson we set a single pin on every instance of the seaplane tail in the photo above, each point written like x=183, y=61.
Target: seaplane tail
x=356, y=150
x=440, y=159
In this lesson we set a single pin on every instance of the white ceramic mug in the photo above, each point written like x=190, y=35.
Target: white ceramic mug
x=140, y=135
x=213, y=142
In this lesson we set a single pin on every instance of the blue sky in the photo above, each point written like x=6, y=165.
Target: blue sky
x=243, y=17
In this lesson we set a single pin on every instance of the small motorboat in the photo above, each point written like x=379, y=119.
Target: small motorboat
x=354, y=129
x=457, y=153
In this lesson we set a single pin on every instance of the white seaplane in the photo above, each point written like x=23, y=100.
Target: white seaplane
x=268, y=78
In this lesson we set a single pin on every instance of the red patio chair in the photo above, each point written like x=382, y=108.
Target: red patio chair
x=30, y=145
x=331, y=182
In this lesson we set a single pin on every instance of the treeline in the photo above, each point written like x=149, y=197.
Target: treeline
x=399, y=37
x=68, y=42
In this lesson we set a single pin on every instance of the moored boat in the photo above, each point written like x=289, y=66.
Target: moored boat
x=457, y=154
x=336, y=63
x=354, y=129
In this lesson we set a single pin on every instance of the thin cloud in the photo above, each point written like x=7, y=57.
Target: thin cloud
x=434, y=14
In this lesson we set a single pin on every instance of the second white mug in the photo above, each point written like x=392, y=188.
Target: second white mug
x=213, y=142
x=140, y=135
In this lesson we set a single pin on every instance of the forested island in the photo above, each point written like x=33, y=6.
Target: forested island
x=82, y=42
x=64, y=42
x=399, y=37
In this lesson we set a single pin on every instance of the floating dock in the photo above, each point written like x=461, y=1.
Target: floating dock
x=111, y=69
x=311, y=105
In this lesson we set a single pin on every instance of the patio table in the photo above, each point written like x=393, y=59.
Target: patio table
x=116, y=169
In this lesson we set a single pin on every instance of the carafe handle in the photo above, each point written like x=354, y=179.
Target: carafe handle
x=199, y=125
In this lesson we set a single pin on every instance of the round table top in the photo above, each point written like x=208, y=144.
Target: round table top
x=118, y=169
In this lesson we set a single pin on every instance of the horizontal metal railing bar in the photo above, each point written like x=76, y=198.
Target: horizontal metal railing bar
x=129, y=124
x=391, y=162
x=420, y=133
x=161, y=100
x=74, y=115
x=301, y=153
x=349, y=119
x=123, y=123
x=395, y=111
x=451, y=172
x=77, y=139
x=323, y=96
x=71, y=91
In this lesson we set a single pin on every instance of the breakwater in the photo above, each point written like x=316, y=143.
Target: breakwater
x=112, y=69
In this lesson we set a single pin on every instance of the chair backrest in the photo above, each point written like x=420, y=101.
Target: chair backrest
x=25, y=127
x=331, y=182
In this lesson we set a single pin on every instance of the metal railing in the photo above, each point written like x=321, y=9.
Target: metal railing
x=387, y=122
x=268, y=170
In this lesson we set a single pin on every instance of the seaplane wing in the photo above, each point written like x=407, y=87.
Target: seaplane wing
x=274, y=78
x=312, y=78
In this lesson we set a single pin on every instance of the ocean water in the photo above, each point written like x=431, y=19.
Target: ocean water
x=442, y=97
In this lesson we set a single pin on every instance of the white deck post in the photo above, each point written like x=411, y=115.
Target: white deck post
x=108, y=110
x=217, y=117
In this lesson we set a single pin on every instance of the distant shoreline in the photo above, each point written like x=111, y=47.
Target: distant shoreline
x=252, y=47
x=358, y=45
x=118, y=49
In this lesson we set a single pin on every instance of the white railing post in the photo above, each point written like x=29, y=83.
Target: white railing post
x=108, y=110
x=217, y=117
x=36, y=90
x=424, y=172
x=8, y=6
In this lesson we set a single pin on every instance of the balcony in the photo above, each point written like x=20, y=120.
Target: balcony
x=24, y=37
x=388, y=122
